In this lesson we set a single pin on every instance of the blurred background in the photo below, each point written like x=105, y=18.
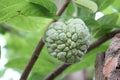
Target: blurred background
x=21, y=31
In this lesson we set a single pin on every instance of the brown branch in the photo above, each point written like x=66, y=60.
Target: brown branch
x=59, y=70
x=103, y=39
x=94, y=45
x=40, y=46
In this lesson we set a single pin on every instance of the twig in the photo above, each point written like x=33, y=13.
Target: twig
x=40, y=46
x=96, y=44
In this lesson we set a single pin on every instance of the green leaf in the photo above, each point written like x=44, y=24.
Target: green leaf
x=109, y=10
x=5, y=3
x=47, y=4
x=108, y=19
x=107, y=24
x=104, y=29
x=23, y=46
x=28, y=23
x=68, y=13
x=92, y=25
x=36, y=75
x=88, y=4
x=101, y=32
x=9, y=10
x=70, y=9
x=13, y=63
x=102, y=4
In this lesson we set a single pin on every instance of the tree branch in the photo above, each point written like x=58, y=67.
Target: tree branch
x=103, y=39
x=40, y=45
x=59, y=70
x=94, y=45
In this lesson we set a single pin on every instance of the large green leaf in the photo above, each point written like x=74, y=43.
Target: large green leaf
x=88, y=4
x=47, y=4
x=10, y=9
x=28, y=23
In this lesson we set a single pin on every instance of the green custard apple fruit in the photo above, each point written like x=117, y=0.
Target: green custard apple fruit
x=68, y=41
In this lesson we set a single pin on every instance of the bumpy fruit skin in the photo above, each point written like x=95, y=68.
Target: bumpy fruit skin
x=68, y=41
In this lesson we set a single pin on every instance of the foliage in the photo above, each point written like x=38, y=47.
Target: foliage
x=26, y=23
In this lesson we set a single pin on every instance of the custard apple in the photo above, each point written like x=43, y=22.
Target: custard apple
x=68, y=41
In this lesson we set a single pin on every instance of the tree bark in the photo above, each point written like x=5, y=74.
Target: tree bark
x=99, y=66
x=108, y=64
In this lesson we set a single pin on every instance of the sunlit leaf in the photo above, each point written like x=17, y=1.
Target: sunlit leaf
x=88, y=4
x=109, y=10
x=10, y=9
